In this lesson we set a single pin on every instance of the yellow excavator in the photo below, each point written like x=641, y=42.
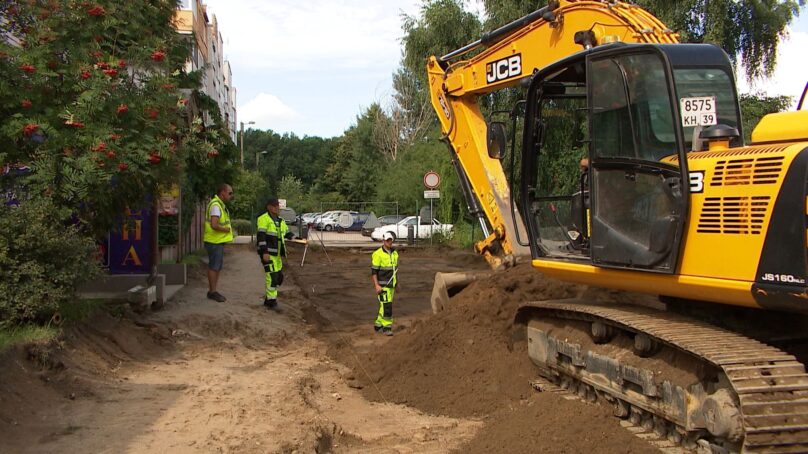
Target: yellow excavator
x=632, y=174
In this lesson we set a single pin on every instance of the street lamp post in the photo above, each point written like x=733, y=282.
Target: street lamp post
x=242, y=141
x=257, y=156
x=252, y=210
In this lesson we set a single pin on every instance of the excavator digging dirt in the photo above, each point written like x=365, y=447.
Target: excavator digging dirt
x=633, y=176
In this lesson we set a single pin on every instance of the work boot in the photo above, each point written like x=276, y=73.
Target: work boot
x=270, y=303
x=377, y=329
x=388, y=331
x=216, y=296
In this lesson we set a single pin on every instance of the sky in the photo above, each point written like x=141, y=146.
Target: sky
x=310, y=67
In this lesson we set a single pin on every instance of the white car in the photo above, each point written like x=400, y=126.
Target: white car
x=308, y=218
x=423, y=229
x=333, y=220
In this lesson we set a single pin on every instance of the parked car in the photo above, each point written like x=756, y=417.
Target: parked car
x=336, y=220
x=368, y=227
x=318, y=220
x=422, y=229
x=288, y=215
x=359, y=220
x=308, y=218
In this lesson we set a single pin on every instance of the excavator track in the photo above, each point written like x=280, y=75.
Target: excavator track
x=759, y=400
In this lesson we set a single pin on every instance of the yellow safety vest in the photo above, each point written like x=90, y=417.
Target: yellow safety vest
x=275, y=234
x=384, y=265
x=215, y=236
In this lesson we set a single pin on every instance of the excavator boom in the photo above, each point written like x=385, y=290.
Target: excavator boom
x=504, y=57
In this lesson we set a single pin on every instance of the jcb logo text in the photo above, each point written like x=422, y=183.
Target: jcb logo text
x=504, y=69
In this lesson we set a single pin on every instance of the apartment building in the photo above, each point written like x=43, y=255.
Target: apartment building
x=207, y=54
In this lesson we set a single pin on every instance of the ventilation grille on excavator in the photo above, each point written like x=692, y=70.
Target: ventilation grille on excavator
x=733, y=215
x=747, y=171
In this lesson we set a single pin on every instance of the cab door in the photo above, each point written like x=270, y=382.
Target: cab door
x=636, y=161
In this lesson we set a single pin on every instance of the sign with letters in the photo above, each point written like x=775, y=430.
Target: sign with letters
x=504, y=68
x=130, y=247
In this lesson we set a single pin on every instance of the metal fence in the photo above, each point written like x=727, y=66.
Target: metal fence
x=359, y=232
x=348, y=230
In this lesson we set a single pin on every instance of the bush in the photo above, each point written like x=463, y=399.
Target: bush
x=465, y=234
x=242, y=226
x=43, y=259
x=168, y=230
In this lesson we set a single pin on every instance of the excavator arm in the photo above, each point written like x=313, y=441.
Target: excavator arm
x=504, y=57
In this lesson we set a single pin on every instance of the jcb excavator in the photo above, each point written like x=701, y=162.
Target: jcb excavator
x=632, y=174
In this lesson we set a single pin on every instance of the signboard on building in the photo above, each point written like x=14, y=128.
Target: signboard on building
x=130, y=248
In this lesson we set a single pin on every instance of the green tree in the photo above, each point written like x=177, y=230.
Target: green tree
x=89, y=98
x=357, y=164
x=44, y=256
x=306, y=158
x=748, y=30
x=291, y=189
x=443, y=25
x=251, y=191
x=756, y=106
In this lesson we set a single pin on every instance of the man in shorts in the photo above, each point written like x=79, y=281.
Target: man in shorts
x=217, y=233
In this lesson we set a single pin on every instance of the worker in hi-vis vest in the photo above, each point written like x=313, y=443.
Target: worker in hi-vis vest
x=217, y=233
x=272, y=236
x=384, y=267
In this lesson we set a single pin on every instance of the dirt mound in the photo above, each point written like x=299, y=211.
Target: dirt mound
x=545, y=424
x=463, y=361
x=42, y=375
x=469, y=361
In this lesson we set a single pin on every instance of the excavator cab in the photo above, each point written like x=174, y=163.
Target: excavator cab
x=620, y=197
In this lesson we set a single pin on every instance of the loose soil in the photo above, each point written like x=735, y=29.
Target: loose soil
x=201, y=376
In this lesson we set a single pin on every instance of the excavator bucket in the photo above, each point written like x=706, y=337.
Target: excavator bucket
x=449, y=284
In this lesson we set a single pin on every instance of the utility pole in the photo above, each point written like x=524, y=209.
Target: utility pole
x=242, y=141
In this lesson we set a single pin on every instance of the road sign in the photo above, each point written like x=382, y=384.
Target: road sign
x=431, y=180
x=282, y=203
x=433, y=194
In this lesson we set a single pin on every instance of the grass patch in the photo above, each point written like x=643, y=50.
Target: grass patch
x=70, y=312
x=194, y=258
x=79, y=310
x=16, y=335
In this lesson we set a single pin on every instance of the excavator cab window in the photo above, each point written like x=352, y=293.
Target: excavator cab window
x=705, y=83
x=560, y=194
x=637, y=205
x=614, y=198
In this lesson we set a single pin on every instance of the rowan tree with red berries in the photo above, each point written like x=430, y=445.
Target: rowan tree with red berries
x=95, y=100
x=92, y=99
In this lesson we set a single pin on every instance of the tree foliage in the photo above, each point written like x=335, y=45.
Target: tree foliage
x=95, y=101
x=748, y=30
x=44, y=256
x=756, y=106
x=89, y=98
x=251, y=191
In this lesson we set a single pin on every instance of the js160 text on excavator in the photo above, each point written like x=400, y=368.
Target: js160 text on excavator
x=632, y=174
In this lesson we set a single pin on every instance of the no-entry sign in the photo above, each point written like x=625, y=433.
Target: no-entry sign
x=431, y=180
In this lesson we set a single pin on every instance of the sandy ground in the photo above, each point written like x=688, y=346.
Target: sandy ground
x=201, y=376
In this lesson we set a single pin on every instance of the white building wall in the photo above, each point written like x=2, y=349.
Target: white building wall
x=217, y=79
